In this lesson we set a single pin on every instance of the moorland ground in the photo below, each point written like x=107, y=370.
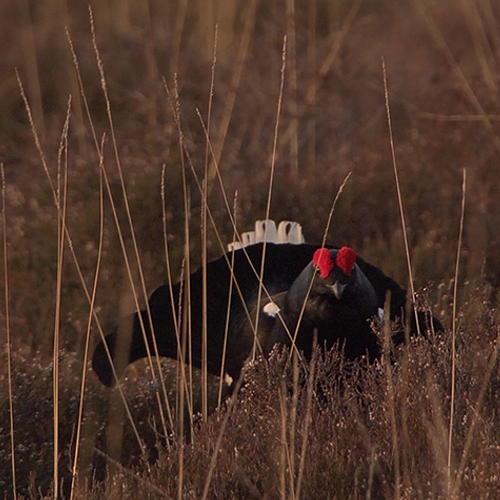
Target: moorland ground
x=376, y=431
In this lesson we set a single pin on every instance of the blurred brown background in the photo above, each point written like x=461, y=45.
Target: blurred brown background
x=443, y=67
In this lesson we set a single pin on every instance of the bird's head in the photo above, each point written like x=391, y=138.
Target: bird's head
x=336, y=268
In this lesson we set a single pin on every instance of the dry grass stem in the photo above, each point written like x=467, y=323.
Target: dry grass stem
x=391, y=399
x=269, y=193
x=74, y=471
x=156, y=372
x=307, y=423
x=62, y=196
x=454, y=327
x=86, y=181
x=400, y=197
x=7, y=330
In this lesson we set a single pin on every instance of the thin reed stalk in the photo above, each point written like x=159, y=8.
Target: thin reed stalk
x=228, y=314
x=325, y=235
x=284, y=444
x=166, y=245
x=177, y=318
x=233, y=222
x=88, y=336
x=235, y=229
x=62, y=191
x=270, y=191
x=185, y=387
x=8, y=333
x=293, y=422
x=186, y=345
x=184, y=342
x=183, y=331
x=204, y=309
x=308, y=418
x=69, y=239
x=340, y=190
x=204, y=229
x=391, y=403
x=400, y=197
x=454, y=329
x=159, y=372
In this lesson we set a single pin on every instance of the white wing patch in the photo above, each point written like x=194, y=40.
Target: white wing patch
x=271, y=309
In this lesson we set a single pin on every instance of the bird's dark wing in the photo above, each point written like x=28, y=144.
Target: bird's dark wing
x=382, y=284
x=398, y=303
x=283, y=263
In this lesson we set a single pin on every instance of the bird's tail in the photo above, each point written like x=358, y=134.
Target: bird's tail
x=266, y=230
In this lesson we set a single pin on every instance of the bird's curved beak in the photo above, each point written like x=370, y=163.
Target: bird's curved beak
x=338, y=289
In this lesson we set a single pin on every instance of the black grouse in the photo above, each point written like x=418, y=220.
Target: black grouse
x=333, y=297
x=343, y=292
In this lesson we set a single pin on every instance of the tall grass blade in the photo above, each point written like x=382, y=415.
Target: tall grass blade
x=158, y=371
x=68, y=236
x=88, y=336
x=340, y=190
x=62, y=191
x=270, y=191
x=7, y=330
x=454, y=328
x=400, y=197
x=308, y=419
x=204, y=229
x=228, y=313
x=323, y=243
x=293, y=420
x=391, y=403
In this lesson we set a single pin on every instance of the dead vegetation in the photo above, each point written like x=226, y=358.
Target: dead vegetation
x=324, y=430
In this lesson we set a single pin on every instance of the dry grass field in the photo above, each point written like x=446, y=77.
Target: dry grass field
x=126, y=126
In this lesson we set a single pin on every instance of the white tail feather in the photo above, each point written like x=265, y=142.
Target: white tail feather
x=290, y=232
x=265, y=230
x=248, y=238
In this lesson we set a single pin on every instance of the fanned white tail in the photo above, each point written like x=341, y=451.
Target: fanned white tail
x=290, y=232
x=265, y=230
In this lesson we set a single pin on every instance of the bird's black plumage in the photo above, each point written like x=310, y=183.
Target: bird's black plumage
x=285, y=272
x=335, y=306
